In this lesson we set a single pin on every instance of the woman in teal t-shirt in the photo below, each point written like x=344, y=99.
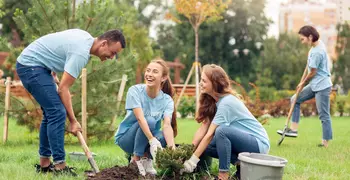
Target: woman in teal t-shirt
x=318, y=85
x=146, y=106
x=228, y=128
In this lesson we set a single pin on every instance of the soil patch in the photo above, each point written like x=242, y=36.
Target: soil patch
x=120, y=173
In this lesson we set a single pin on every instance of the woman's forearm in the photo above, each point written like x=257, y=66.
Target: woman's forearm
x=169, y=135
x=198, y=136
x=200, y=133
x=143, y=123
x=145, y=128
x=203, y=145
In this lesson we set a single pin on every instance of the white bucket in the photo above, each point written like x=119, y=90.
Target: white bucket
x=256, y=166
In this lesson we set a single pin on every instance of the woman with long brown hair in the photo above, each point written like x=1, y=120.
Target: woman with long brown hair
x=228, y=128
x=147, y=105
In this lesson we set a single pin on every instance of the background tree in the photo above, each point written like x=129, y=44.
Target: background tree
x=342, y=65
x=242, y=25
x=280, y=65
x=147, y=11
x=95, y=16
x=9, y=27
x=197, y=12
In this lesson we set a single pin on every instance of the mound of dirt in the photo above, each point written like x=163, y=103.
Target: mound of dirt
x=117, y=172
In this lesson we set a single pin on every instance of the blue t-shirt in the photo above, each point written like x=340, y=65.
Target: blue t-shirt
x=67, y=50
x=137, y=97
x=232, y=112
x=318, y=59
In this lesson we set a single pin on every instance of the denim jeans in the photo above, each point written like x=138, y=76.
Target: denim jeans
x=323, y=108
x=134, y=141
x=227, y=143
x=40, y=84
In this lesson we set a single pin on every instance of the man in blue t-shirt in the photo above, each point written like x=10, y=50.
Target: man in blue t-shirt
x=68, y=52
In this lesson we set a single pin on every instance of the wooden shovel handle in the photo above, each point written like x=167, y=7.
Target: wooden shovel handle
x=83, y=144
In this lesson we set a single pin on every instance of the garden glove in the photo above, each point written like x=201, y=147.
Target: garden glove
x=190, y=164
x=154, y=145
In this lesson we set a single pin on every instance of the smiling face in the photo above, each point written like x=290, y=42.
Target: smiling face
x=206, y=85
x=154, y=75
x=108, y=50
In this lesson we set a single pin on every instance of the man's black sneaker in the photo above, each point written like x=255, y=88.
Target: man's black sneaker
x=65, y=171
x=289, y=133
x=47, y=169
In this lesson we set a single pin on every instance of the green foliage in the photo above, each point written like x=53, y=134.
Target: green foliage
x=4, y=45
x=7, y=9
x=51, y=16
x=103, y=79
x=243, y=22
x=153, y=8
x=271, y=65
x=266, y=93
x=171, y=161
x=343, y=104
x=10, y=62
x=283, y=94
x=342, y=64
x=1, y=6
x=187, y=106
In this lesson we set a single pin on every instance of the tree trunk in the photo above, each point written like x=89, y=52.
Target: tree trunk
x=197, y=67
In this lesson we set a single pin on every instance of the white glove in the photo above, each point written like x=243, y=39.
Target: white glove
x=154, y=145
x=190, y=164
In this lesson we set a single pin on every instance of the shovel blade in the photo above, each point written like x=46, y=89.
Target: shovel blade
x=93, y=165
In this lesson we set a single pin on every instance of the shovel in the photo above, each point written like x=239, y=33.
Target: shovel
x=88, y=153
x=289, y=116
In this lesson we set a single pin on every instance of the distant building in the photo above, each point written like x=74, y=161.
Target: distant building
x=343, y=10
x=322, y=15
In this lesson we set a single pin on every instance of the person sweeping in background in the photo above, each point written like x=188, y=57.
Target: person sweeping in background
x=317, y=78
x=228, y=127
x=146, y=106
x=68, y=52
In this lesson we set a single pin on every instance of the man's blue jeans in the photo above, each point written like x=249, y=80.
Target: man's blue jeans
x=40, y=84
x=134, y=141
x=227, y=143
x=323, y=108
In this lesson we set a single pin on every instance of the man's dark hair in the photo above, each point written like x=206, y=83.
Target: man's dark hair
x=309, y=30
x=113, y=36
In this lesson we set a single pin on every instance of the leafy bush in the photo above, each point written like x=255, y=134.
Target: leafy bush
x=187, y=106
x=96, y=17
x=4, y=45
x=266, y=93
x=282, y=94
x=170, y=161
x=10, y=62
x=343, y=104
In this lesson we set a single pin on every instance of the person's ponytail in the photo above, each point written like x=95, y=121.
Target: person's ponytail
x=167, y=88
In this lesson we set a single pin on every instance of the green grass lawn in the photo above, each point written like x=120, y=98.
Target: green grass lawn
x=305, y=160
